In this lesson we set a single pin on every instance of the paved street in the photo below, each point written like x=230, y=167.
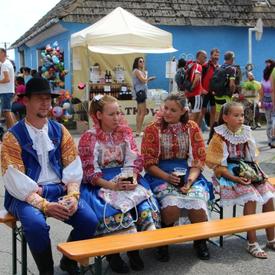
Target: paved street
x=231, y=259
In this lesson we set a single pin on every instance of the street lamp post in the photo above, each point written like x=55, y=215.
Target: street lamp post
x=258, y=29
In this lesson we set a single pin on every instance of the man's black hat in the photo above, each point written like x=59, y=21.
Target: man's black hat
x=38, y=85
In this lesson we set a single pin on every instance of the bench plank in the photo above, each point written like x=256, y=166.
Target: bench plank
x=272, y=181
x=7, y=218
x=81, y=251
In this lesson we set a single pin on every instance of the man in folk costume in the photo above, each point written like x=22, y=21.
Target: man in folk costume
x=42, y=173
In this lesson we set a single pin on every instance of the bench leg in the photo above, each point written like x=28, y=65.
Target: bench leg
x=98, y=265
x=234, y=211
x=221, y=217
x=24, y=254
x=14, y=250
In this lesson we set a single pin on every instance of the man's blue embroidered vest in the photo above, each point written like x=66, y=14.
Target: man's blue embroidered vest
x=29, y=155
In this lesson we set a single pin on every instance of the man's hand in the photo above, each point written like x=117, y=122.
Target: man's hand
x=73, y=205
x=57, y=211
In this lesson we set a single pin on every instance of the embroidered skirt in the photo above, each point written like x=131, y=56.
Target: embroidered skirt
x=111, y=219
x=167, y=194
x=233, y=193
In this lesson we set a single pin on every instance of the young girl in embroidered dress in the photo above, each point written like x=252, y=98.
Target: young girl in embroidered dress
x=232, y=145
x=105, y=151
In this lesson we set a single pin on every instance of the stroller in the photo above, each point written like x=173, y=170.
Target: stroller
x=251, y=108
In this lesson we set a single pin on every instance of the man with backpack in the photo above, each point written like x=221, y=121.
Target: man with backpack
x=208, y=70
x=222, y=83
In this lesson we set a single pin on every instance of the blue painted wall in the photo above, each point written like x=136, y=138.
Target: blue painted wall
x=187, y=39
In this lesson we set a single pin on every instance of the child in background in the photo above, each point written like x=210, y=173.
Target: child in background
x=232, y=155
x=18, y=107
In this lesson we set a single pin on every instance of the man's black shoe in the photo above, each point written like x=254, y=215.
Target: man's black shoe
x=69, y=266
x=201, y=249
x=135, y=261
x=117, y=264
x=163, y=254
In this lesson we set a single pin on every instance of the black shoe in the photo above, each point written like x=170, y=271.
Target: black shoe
x=201, y=249
x=135, y=261
x=117, y=264
x=69, y=266
x=163, y=254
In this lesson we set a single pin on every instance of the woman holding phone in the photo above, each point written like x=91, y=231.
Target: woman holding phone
x=112, y=164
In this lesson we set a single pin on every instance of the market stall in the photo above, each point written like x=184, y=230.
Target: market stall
x=103, y=53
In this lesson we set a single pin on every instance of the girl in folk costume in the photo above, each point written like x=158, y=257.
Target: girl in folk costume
x=106, y=151
x=231, y=154
x=172, y=142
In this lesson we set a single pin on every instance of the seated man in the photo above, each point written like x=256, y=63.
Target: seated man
x=42, y=173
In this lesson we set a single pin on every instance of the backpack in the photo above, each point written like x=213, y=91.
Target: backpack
x=182, y=79
x=219, y=84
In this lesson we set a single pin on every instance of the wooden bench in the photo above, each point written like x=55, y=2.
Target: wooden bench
x=17, y=235
x=82, y=251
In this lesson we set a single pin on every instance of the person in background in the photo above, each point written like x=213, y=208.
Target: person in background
x=140, y=80
x=250, y=90
x=174, y=143
x=207, y=74
x=267, y=95
x=18, y=106
x=34, y=73
x=194, y=96
x=42, y=173
x=230, y=70
x=231, y=147
x=106, y=151
x=6, y=88
x=27, y=74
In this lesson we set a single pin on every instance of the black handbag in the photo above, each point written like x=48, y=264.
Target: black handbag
x=141, y=96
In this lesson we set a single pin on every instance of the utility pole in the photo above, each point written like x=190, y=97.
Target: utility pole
x=5, y=44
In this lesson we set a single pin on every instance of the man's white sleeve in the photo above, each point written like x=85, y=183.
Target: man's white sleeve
x=18, y=184
x=73, y=173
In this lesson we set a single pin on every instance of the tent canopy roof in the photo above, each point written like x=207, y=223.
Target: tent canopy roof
x=121, y=32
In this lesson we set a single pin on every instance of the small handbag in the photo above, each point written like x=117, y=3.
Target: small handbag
x=250, y=171
x=141, y=96
x=125, y=201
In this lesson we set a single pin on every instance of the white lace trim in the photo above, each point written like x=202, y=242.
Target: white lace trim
x=242, y=200
x=241, y=136
x=184, y=203
x=267, y=196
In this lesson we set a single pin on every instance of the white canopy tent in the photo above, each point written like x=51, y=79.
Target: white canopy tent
x=120, y=32
x=117, y=38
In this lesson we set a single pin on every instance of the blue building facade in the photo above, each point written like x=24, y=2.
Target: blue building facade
x=186, y=39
